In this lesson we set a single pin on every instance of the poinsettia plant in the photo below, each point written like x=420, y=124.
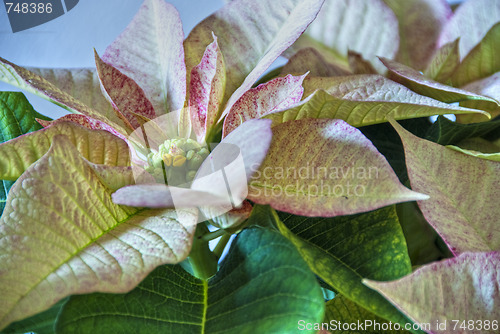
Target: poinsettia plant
x=351, y=211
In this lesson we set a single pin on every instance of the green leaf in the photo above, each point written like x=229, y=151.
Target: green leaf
x=444, y=62
x=478, y=145
x=364, y=100
x=422, y=241
x=470, y=22
x=420, y=24
x=4, y=190
x=97, y=146
x=482, y=61
x=464, y=222
x=344, y=250
x=33, y=83
x=341, y=311
x=263, y=286
x=388, y=143
x=251, y=35
x=17, y=117
x=459, y=291
x=150, y=52
x=309, y=170
x=61, y=235
x=446, y=132
x=41, y=323
x=418, y=83
x=485, y=156
x=368, y=27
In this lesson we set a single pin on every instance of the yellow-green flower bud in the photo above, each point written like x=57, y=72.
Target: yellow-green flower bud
x=157, y=161
x=195, y=162
x=168, y=159
x=190, y=154
x=191, y=144
x=178, y=159
x=176, y=150
x=204, y=152
x=190, y=175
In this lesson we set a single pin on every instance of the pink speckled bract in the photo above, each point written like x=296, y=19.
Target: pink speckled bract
x=466, y=222
x=462, y=288
x=323, y=167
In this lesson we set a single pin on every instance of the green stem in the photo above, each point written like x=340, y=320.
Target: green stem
x=203, y=261
x=213, y=235
x=214, y=134
x=219, y=249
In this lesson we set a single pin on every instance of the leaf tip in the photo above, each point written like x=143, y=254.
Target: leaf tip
x=420, y=196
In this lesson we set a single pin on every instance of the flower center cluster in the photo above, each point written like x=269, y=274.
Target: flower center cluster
x=176, y=161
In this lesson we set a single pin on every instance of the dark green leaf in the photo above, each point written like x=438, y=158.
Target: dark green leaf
x=42, y=323
x=422, y=240
x=17, y=117
x=446, y=132
x=4, y=190
x=387, y=141
x=263, y=286
x=341, y=310
x=344, y=250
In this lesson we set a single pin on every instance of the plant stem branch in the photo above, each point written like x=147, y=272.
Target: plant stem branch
x=213, y=235
x=219, y=249
x=203, y=261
